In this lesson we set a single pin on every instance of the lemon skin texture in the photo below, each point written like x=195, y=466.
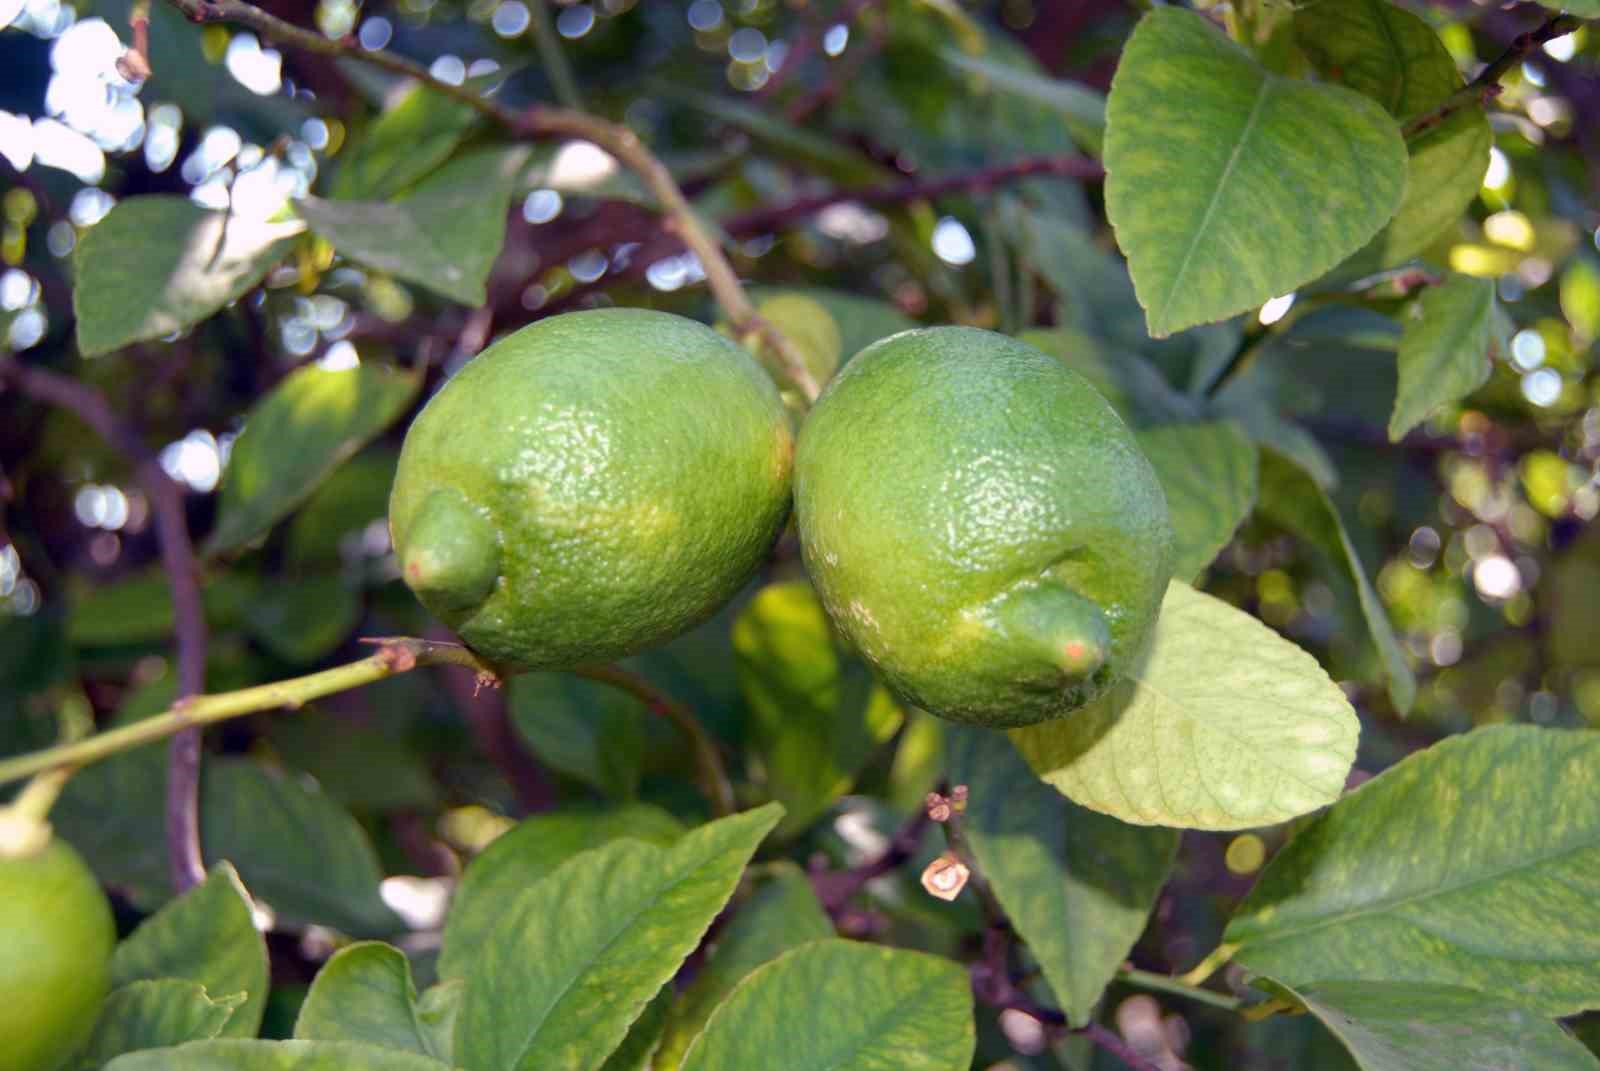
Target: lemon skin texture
x=56, y=939
x=591, y=486
x=981, y=525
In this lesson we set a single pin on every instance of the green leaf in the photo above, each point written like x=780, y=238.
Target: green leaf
x=154, y=1015
x=444, y=235
x=1580, y=296
x=1209, y=473
x=366, y=767
x=1076, y=885
x=575, y=958
x=157, y=264
x=1260, y=736
x=815, y=716
x=410, y=139
x=207, y=936
x=366, y=993
x=783, y=913
x=1403, y=1026
x=1227, y=184
x=586, y=730
x=1444, y=353
x=296, y=849
x=1292, y=499
x=788, y=140
x=237, y=1055
x=883, y=1007
x=304, y=620
x=1137, y=390
x=352, y=497
x=637, y=1051
x=1395, y=58
x=1083, y=110
x=526, y=855
x=138, y=608
x=296, y=436
x=1473, y=863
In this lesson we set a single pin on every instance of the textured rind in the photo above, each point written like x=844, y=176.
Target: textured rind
x=636, y=466
x=948, y=467
x=56, y=937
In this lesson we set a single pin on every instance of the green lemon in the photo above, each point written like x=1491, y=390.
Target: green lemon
x=591, y=486
x=981, y=525
x=56, y=939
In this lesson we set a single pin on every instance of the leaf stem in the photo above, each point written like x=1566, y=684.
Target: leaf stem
x=554, y=58
x=1162, y=983
x=1208, y=966
x=540, y=121
x=708, y=760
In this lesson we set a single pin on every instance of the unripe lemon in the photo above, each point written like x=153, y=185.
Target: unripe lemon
x=56, y=939
x=591, y=486
x=981, y=525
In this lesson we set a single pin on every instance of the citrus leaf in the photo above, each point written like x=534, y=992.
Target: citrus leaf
x=366, y=993
x=527, y=853
x=444, y=235
x=207, y=936
x=157, y=264
x=296, y=848
x=153, y=1015
x=884, y=1007
x=815, y=716
x=1227, y=184
x=1291, y=498
x=1076, y=885
x=138, y=608
x=782, y=913
x=637, y=1051
x=411, y=138
x=1394, y=57
x=1444, y=353
x=239, y=1055
x=1209, y=474
x=575, y=958
x=296, y=436
x=586, y=730
x=304, y=620
x=1403, y=1026
x=1260, y=736
x=1082, y=109
x=1408, y=878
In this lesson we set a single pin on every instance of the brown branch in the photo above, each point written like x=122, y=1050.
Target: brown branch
x=183, y=575
x=540, y=121
x=845, y=72
x=1486, y=86
x=836, y=888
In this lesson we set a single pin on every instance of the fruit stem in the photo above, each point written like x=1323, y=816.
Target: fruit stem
x=540, y=120
x=396, y=655
x=714, y=780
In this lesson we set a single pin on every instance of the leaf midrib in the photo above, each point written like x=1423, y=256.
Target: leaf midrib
x=1263, y=91
x=1424, y=894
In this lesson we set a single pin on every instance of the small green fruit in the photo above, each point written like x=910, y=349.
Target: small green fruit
x=981, y=524
x=591, y=486
x=56, y=939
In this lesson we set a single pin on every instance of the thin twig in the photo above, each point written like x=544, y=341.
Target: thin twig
x=1163, y=983
x=836, y=888
x=539, y=121
x=183, y=575
x=1486, y=85
x=553, y=56
x=396, y=655
x=134, y=64
x=1112, y=1042
x=490, y=721
x=842, y=73
x=708, y=760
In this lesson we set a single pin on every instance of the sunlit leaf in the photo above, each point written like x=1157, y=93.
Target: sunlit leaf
x=1444, y=353
x=1228, y=184
x=239, y=1055
x=884, y=1007
x=444, y=235
x=1404, y=1026
x=157, y=264
x=295, y=436
x=574, y=958
x=207, y=936
x=1260, y=736
x=1473, y=863
x=411, y=138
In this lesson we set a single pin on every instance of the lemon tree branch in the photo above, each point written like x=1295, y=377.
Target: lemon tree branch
x=542, y=121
